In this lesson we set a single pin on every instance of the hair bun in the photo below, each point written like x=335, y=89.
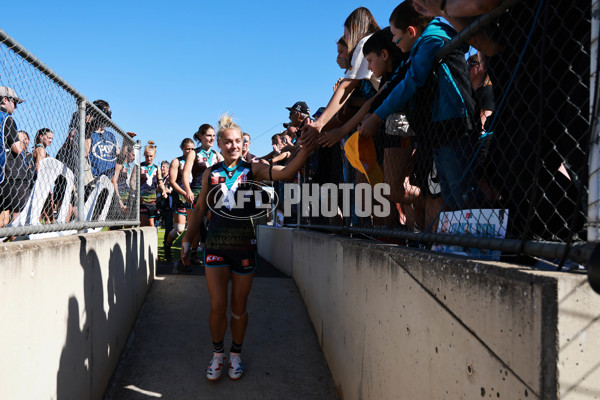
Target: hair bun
x=226, y=122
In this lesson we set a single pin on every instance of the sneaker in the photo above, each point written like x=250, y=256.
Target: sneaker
x=167, y=251
x=236, y=369
x=213, y=372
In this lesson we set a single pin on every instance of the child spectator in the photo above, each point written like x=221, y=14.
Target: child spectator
x=393, y=142
x=484, y=107
x=343, y=59
x=440, y=118
x=482, y=86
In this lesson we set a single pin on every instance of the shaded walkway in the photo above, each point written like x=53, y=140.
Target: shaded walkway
x=170, y=346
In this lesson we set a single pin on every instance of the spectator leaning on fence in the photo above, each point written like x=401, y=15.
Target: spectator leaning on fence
x=482, y=86
x=394, y=139
x=539, y=63
x=441, y=118
x=14, y=184
x=276, y=143
x=343, y=58
x=485, y=106
x=358, y=27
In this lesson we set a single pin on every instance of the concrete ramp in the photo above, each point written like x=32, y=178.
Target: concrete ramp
x=170, y=346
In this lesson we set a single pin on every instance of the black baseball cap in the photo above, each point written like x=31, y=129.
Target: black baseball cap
x=300, y=107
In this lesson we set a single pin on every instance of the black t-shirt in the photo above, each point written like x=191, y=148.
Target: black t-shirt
x=16, y=164
x=484, y=96
x=68, y=153
x=10, y=132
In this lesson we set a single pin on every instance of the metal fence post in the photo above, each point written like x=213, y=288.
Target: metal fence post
x=299, y=206
x=138, y=145
x=594, y=168
x=81, y=173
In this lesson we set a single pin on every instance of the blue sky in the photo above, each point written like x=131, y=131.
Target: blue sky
x=168, y=67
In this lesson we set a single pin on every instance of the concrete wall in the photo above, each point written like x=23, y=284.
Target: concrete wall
x=396, y=323
x=66, y=308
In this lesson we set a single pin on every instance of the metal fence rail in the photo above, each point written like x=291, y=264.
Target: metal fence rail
x=72, y=168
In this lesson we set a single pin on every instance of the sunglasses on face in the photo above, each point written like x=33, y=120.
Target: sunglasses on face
x=472, y=64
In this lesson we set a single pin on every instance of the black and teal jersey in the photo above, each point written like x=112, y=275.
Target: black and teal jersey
x=148, y=182
x=179, y=179
x=231, y=200
x=204, y=160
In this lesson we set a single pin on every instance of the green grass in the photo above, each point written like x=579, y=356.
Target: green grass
x=175, y=247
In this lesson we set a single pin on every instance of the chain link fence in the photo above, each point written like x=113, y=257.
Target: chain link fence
x=67, y=166
x=494, y=154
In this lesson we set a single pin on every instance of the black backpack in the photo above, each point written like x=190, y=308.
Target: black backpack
x=447, y=90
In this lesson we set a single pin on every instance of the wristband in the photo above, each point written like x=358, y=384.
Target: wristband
x=186, y=247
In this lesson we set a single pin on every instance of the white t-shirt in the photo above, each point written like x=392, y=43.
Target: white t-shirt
x=360, y=65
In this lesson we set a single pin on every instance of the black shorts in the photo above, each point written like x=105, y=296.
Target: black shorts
x=240, y=262
x=179, y=204
x=14, y=194
x=149, y=209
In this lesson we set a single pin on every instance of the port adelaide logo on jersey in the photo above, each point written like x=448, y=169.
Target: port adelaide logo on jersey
x=241, y=199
